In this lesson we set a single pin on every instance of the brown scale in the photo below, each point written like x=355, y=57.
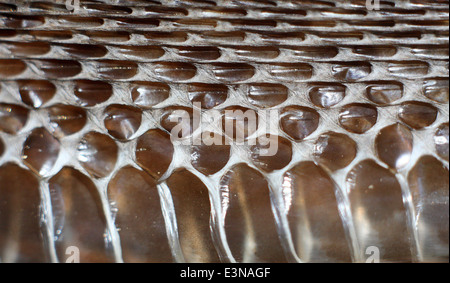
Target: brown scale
x=138, y=217
x=252, y=23
x=166, y=11
x=122, y=121
x=428, y=182
x=299, y=122
x=430, y=3
x=78, y=22
x=437, y=89
x=20, y=217
x=417, y=115
x=358, y=118
x=239, y=123
x=192, y=209
x=424, y=23
x=40, y=151
x=384, y=93
x=268, y=161
x=224, y=36
x=290, y=71
x=209, y=95
x=211, y=156
x=28, y=48
x=258, y=3
x=8, y=7
x=51, y=34
x=351, y=71
x=326, y=95
x=148, y=94
x=311, y=204
x=136, y=22
x=223, y=12
x=281, y=12
x=260, y=52
x=109, y=9
x=312, y=23
x=375, y=51
x=116, y=70
x=394, y=145
x=430, y=51
x=7, y=33
x=342, y=12
x=21, y=21
x=267, y=95
x=83, y=51
x=334, y=150
x=175, y=71
x=179, y=121
x=196, y=23
x=315, y=52
x=154, y=145
x=277, y=37
x=314, y=3
x=206, y=3
x=12, y=118
x=232, y=72
x=11, y=68
x=78, y=217
x=250, y=227
x=58, y=69
x=143, y=52
x=66, y=119
x=90, y=93
x=402, y=12
x=441, y=140
x=98, y=154
x=369, y=23
x=199, y=53
x=162, y=36
x=338, y=36
x=108, y=36
x=36, y=93
x=45, y=6
x=151, y=2
x=408, y=69
x=379, y=214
